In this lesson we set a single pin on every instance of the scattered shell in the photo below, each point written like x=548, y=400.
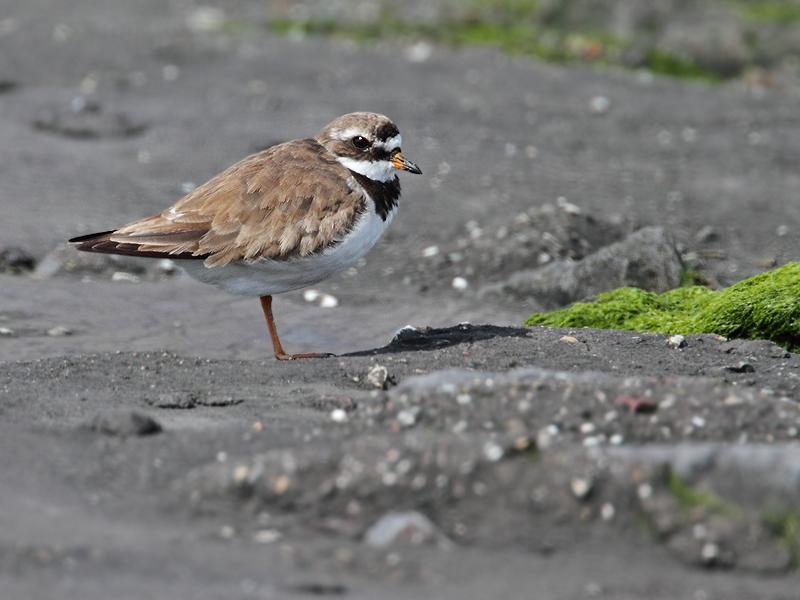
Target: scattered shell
x=569, y=339
x=430, y=251
x=310, y=295
x=6, y=332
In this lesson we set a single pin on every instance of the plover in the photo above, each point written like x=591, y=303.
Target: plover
x=281, y=219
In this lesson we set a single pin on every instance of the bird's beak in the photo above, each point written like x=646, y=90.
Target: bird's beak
x=401, y=162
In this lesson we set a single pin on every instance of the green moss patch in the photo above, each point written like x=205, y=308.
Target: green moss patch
x=766, y=306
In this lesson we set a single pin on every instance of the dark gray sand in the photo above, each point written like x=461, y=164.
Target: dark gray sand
x=152, y=448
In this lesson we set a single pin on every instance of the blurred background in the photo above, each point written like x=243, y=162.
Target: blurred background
x=548, y=131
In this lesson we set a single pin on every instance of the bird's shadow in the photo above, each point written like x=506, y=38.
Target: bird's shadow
x=414, y=340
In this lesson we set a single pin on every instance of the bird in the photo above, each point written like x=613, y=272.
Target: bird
x=281, y=219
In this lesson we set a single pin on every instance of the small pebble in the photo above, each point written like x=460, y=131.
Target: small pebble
x=338, y=415
x=581, y=488
x=59, y=331
x=377, y=376
x=430, y=251
x=607, y=511
x=123, y=276
x=400, y=528
x=310, y=295
x=266, y=536
x=328, y=301
x=676, y=341
x=492, y=452
x=599, y=105
x=459, y=283
x=6, y=332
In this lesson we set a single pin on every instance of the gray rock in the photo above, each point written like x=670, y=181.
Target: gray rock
x=124, y=423
x=14, y=260
x=646, y=259
x=409, y=528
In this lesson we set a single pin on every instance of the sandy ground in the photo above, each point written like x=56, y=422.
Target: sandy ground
x=249, y=489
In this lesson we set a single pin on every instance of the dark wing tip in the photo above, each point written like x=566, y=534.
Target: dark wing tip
x=89, y=237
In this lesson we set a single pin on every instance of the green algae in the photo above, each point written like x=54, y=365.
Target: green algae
x=766, y=306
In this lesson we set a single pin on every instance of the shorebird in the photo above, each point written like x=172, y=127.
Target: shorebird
x=279, y=220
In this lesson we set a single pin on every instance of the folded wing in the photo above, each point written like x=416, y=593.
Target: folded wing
x=288, y=201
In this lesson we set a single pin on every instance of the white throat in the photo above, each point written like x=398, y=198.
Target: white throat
x=377, y=170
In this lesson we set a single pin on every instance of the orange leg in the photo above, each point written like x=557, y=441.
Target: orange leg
x=280, y=354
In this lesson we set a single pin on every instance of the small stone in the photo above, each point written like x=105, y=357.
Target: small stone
x=581, y=488
x=676, y=341
x=124, y=276
x=266, y=536
x=460, y=284
x=599, y=105
x=6, y=332
x=328, y=301
x=124, y=423
x=59, y=331
x=419, y=52
x=377, y=376
x=741, y=367
x=407, y=418
x=607, y=511
x=492, y=451
x=15, y=261
x=568, y=339
x=338, y=415
x=167, y=266
x=408, y=528
x=430, y=251
x=698, y=422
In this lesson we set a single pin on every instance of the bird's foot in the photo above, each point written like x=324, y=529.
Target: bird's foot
x=284, y=356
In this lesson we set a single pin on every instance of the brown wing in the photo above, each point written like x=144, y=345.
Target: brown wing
x=289, y=200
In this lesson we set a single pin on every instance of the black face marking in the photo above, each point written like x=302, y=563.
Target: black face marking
x=380, y=154
x=386, y=131
x=383, y=193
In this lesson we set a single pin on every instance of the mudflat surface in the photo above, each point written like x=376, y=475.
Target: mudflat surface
x=152, y=447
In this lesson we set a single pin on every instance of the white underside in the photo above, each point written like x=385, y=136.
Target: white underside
x=265, y=276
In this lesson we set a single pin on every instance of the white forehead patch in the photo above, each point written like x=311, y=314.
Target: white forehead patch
x=348, y=134
x=390, y=144
x=377, y=170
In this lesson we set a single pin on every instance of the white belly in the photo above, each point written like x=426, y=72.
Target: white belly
x=265, y=276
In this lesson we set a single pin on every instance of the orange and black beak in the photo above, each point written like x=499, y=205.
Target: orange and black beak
x=401, y=162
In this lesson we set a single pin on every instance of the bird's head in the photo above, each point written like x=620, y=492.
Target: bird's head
x=367, y=143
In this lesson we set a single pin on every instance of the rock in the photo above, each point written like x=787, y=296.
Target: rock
x=15, y=261
x=646, y=259
x=59, y=331
x=676, y=341
x=741, y=367
x=406, y=528
x=124, y=423
x=378, y=376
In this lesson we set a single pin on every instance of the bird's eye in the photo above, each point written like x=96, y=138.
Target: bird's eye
x=361, y=142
